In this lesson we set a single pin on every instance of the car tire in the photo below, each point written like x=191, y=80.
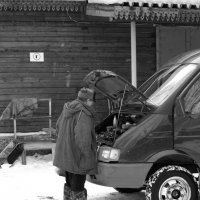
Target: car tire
x=172, y=182
x=128, y=190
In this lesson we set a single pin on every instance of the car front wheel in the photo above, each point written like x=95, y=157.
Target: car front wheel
x=172, y=183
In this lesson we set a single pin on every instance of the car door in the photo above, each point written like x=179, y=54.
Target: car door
x=187, y=120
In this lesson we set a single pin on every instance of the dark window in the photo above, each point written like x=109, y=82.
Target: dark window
x=192, y=99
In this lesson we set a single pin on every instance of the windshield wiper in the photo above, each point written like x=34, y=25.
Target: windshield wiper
x=143, y=99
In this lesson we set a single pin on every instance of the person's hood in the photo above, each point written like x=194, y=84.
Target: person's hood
x=113, y=86
x=73, y=107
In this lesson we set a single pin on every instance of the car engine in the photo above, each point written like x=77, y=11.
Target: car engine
x=114, y=126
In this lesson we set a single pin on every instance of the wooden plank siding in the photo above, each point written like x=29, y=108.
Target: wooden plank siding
x=71, y=50
x=146, y=52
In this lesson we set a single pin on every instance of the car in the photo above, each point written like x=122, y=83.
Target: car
x=151, y=138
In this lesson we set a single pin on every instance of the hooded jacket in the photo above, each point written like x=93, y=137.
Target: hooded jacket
x=76, y=143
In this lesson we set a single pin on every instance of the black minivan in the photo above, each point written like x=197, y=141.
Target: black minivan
x=151, y=138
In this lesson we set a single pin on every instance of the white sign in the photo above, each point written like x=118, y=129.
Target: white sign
x=36, y=57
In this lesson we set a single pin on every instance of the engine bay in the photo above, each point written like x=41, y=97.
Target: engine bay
x=114, y=126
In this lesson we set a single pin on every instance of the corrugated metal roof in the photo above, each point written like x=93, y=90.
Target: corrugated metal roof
x=150, y=3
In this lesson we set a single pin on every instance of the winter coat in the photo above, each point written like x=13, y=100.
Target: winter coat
x=76, y=143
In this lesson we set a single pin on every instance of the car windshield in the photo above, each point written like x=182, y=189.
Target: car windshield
x=165, y=85
x=144, y=87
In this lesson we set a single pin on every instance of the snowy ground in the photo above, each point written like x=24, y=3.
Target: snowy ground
x=38, y=181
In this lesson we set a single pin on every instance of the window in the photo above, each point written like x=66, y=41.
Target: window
x=192, y=99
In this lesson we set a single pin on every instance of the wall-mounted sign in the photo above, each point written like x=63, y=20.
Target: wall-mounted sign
x=36, y=57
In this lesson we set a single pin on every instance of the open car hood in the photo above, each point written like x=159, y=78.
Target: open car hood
x=114, y=87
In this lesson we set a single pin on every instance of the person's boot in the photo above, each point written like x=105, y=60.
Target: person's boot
x=67, y=192
x=82, y=195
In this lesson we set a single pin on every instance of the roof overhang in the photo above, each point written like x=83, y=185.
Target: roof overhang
x=42, y=5
x=156, y=11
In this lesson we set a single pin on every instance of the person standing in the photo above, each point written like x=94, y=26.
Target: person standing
x=75, y=151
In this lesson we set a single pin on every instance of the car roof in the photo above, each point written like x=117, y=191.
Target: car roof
x=192, y=56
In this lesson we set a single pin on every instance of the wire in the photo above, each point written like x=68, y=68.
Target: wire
x=72, y=18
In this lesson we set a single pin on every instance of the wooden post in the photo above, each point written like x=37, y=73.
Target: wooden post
x=14, y=121
x=50, y=116
x=133, y=54
x=15, y=127
x=24, y=157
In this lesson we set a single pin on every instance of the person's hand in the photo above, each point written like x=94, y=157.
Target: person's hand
x=93, y=176
x=60, y=172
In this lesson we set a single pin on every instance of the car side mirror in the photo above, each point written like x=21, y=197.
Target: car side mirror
x=195, y=111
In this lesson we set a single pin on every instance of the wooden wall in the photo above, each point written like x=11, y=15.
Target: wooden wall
x=71, y=50
x=146, y=51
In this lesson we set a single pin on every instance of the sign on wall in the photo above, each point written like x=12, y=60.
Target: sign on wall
x=36, y=57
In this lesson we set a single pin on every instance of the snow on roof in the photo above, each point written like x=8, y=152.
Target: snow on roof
x=178, y=3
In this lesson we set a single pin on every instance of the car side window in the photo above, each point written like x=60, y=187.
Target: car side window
x=192, y=99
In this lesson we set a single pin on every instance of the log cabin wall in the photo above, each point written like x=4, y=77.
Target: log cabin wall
x=71, y=50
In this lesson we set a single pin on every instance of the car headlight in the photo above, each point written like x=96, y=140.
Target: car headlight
x=108, y=154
